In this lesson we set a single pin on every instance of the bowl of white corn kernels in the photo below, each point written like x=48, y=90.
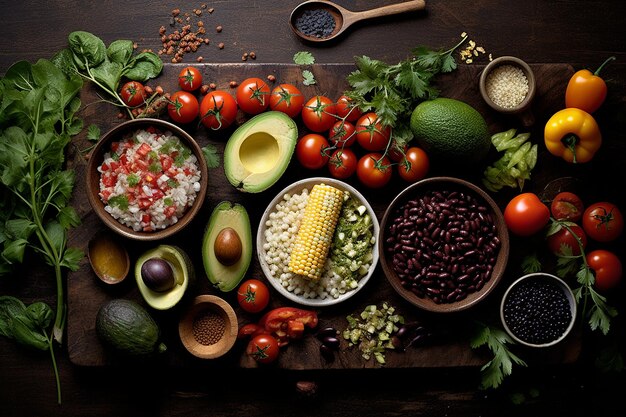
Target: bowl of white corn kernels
x=316, y=242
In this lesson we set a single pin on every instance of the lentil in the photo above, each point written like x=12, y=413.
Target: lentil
x=537, y=311
x=208, y=327
x=317, y=22
x=507, y=86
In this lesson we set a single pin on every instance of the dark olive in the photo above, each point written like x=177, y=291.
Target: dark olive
x=327, y=352
x=158, y=275
x=331, y=341
x=327, y=332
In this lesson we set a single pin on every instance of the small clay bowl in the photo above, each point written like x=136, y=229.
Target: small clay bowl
x=522, y=110
x=93, y=177
x=540, y=278
x=426, y=302
x=215, y=324
x=108, y=258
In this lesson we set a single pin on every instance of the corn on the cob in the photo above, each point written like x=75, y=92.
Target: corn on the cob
x=317, y=228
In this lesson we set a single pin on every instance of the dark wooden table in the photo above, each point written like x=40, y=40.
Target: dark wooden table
x=579, y=33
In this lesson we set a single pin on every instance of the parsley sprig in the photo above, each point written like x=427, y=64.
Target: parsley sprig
x=393, y=91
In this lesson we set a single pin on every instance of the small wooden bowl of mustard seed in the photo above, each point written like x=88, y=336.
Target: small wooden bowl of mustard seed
x=208, y=329
x=507, y=84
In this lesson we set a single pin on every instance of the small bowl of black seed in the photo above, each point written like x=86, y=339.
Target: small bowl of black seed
x=538, y=310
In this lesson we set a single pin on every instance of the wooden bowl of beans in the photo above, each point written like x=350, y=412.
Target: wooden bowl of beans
x=209, y=327
x=444, y=244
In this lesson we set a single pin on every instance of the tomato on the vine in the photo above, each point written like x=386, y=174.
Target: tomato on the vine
x=396, y=152
x=190, y=79
x=133, y=93
x=218, y=110
x=564, y=243
x=342, y=134
x=526, y=215
x=607, y=268
x=567, y=206
x=183, y=107
x=415, y=165
x=318, y=114
x=374, y=170
x=287, y=98
x=342, y=163
x=346, y=109
x=263, y=348
x=311, y=151
x=371, y=134
x=253, y=95
x=603, y=221
x=253, y=295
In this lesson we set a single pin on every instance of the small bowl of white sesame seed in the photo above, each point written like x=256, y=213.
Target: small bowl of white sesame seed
x=507, y=84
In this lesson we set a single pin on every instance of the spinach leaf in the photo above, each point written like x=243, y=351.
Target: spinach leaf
x=120, y=51
x=88, y=49
x=144, y=66
x=64, y=60
x=9, y=308
x=108, y=73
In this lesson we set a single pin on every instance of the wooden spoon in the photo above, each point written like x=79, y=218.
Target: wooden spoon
x=345, y=18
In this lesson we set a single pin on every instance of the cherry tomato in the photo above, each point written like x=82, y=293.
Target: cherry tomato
x=288, y=99
x=318, y=114
x=567, y=206
x=564, y=243
x=253, y=95
x=415, y=165
x=342, y=134
x=311, y=151
x=525, y=214
x=253, y=295
x=263, y=348
x=190, y=79
x=372, y=171
x=183, y=107
x=607, y=268
x=342, y=163
x=133, y=93
x=371, y=134
x=396, y=152
x=218, y=110
x=603, y=221
x=345, y=108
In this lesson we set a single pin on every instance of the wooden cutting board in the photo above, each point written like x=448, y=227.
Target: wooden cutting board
x=450, y=346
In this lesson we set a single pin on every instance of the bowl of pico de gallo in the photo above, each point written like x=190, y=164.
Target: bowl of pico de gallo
x=146, y=179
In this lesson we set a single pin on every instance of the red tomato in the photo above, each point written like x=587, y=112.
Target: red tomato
x=415, y=165
x=374, y=170
x=342, y=163
x=253, y=95
x=318, y=114
x=371, y=134
x=183, y=107
x=396, y=153
x=190, y=79
x=345, y=109
x=567, y=206
x=263, y=348
x=253, y=296
x=525, y=214
x=603, y=222
x=342, y=134
x=218, y=110
x=311, y=151
x=133, y=93
x=607, y=268
x=564, y=243
x=288, y=99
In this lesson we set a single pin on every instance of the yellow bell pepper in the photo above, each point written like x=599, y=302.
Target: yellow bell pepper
x=573, y=135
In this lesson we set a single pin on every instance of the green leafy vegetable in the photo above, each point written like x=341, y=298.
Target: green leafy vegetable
x=308, y=78
x=393, y=91
x=303, y=58
x=501, y=365
x=93, y=133
x=531, y=264
x=210, y=156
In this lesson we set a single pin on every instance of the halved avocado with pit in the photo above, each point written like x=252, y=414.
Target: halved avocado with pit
x=226, y=277
x=258, y=152
x=181, y=268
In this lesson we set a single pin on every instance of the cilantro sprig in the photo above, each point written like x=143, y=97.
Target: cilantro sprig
x=393, y=91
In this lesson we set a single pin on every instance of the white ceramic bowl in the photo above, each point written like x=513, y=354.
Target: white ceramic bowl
x=296, y=188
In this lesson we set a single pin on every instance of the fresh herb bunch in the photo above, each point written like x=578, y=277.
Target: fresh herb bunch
x=393, y=91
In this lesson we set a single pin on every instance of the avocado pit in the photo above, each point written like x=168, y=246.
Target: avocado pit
x=228, y=246
x=158, y=275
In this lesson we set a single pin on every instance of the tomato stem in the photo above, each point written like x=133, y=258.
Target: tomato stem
x=609, y=59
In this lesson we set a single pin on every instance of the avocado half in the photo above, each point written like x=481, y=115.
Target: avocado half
x=258, y=152
x=235, y=216
x=183, y=273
